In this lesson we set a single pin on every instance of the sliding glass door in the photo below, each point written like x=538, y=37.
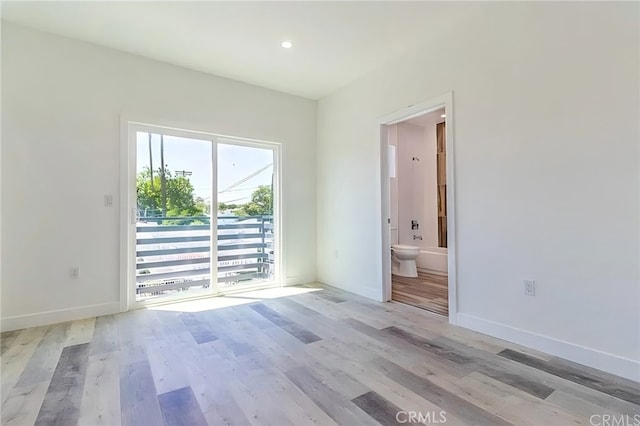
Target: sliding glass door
x=174, y=226
x=246, y=246
x=197, y=198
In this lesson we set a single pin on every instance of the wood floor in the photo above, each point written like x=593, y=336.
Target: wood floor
x=293, y=356
x=427, y=291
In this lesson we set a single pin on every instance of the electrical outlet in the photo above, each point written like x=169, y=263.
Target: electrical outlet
x=108, y=200
x=74, y=272
x=529, y=288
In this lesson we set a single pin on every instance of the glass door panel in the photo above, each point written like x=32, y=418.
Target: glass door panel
x=173, y=226
x=246, y=243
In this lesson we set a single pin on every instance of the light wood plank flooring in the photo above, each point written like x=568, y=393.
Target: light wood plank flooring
x=292, y=356
x=426, y=291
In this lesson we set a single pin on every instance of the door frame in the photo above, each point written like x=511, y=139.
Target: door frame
x=128, y=127
x=444, y=101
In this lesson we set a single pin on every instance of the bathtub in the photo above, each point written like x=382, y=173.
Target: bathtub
x=433, y=260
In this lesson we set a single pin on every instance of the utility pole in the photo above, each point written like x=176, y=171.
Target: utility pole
x=163, y=178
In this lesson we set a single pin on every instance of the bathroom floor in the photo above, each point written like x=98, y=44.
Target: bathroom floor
x=427, y=291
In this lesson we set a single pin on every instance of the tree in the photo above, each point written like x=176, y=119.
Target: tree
x=202, y=205
x=261, y=203
x=180, y=197
x=223, y=207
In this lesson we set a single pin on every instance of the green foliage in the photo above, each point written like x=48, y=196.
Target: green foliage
x=223, y=207
x=261, y=203
x=182, y=202
x=202, y=205
x=179, y=194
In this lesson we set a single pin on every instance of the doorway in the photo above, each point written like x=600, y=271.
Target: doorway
x=417, y=207
x=202, y=215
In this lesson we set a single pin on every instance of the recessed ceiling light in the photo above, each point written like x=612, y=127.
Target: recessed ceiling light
x=287, y=44
x=443, y=115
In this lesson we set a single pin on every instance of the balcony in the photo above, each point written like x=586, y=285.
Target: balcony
x=173, y=253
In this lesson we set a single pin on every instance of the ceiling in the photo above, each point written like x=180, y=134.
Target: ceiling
x=334, y=42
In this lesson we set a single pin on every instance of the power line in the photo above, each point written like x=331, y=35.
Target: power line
x=240, y=189
x=232, y=201
x=249, y=188
x=243, y=180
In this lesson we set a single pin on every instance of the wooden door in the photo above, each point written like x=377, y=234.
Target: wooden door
x=441, y=156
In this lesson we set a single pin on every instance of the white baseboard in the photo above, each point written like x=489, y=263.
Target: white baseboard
x=372, y=293
x=604, y=361
x=61, y=315
x=300, y=279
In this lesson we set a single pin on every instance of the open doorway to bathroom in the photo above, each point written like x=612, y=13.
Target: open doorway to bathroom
x=418, y=207
x=417, y=160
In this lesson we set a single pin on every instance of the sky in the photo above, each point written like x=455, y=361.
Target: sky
x=194, y=155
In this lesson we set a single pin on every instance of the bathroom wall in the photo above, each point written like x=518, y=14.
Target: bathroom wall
x=432, y=257
x=429, y=224
x=426, y=151
x=414, y=191
x=411, y=193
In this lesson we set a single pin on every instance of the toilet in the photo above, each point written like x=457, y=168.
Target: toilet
x=403, y=259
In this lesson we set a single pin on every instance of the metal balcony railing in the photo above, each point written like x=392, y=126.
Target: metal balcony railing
x=173, y=253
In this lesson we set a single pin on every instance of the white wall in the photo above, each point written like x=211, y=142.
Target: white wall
x=411, y=174
x=61, y=107
x=546, y=103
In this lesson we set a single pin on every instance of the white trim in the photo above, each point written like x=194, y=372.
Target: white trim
x=412, y=111
x=213, y=235
x=385, y=212
x=299, y=280
x=127, y=161
x=604, y=361
x=60, y=315
x=278, y=213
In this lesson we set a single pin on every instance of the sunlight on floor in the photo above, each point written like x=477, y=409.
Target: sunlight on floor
x=232, y=300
